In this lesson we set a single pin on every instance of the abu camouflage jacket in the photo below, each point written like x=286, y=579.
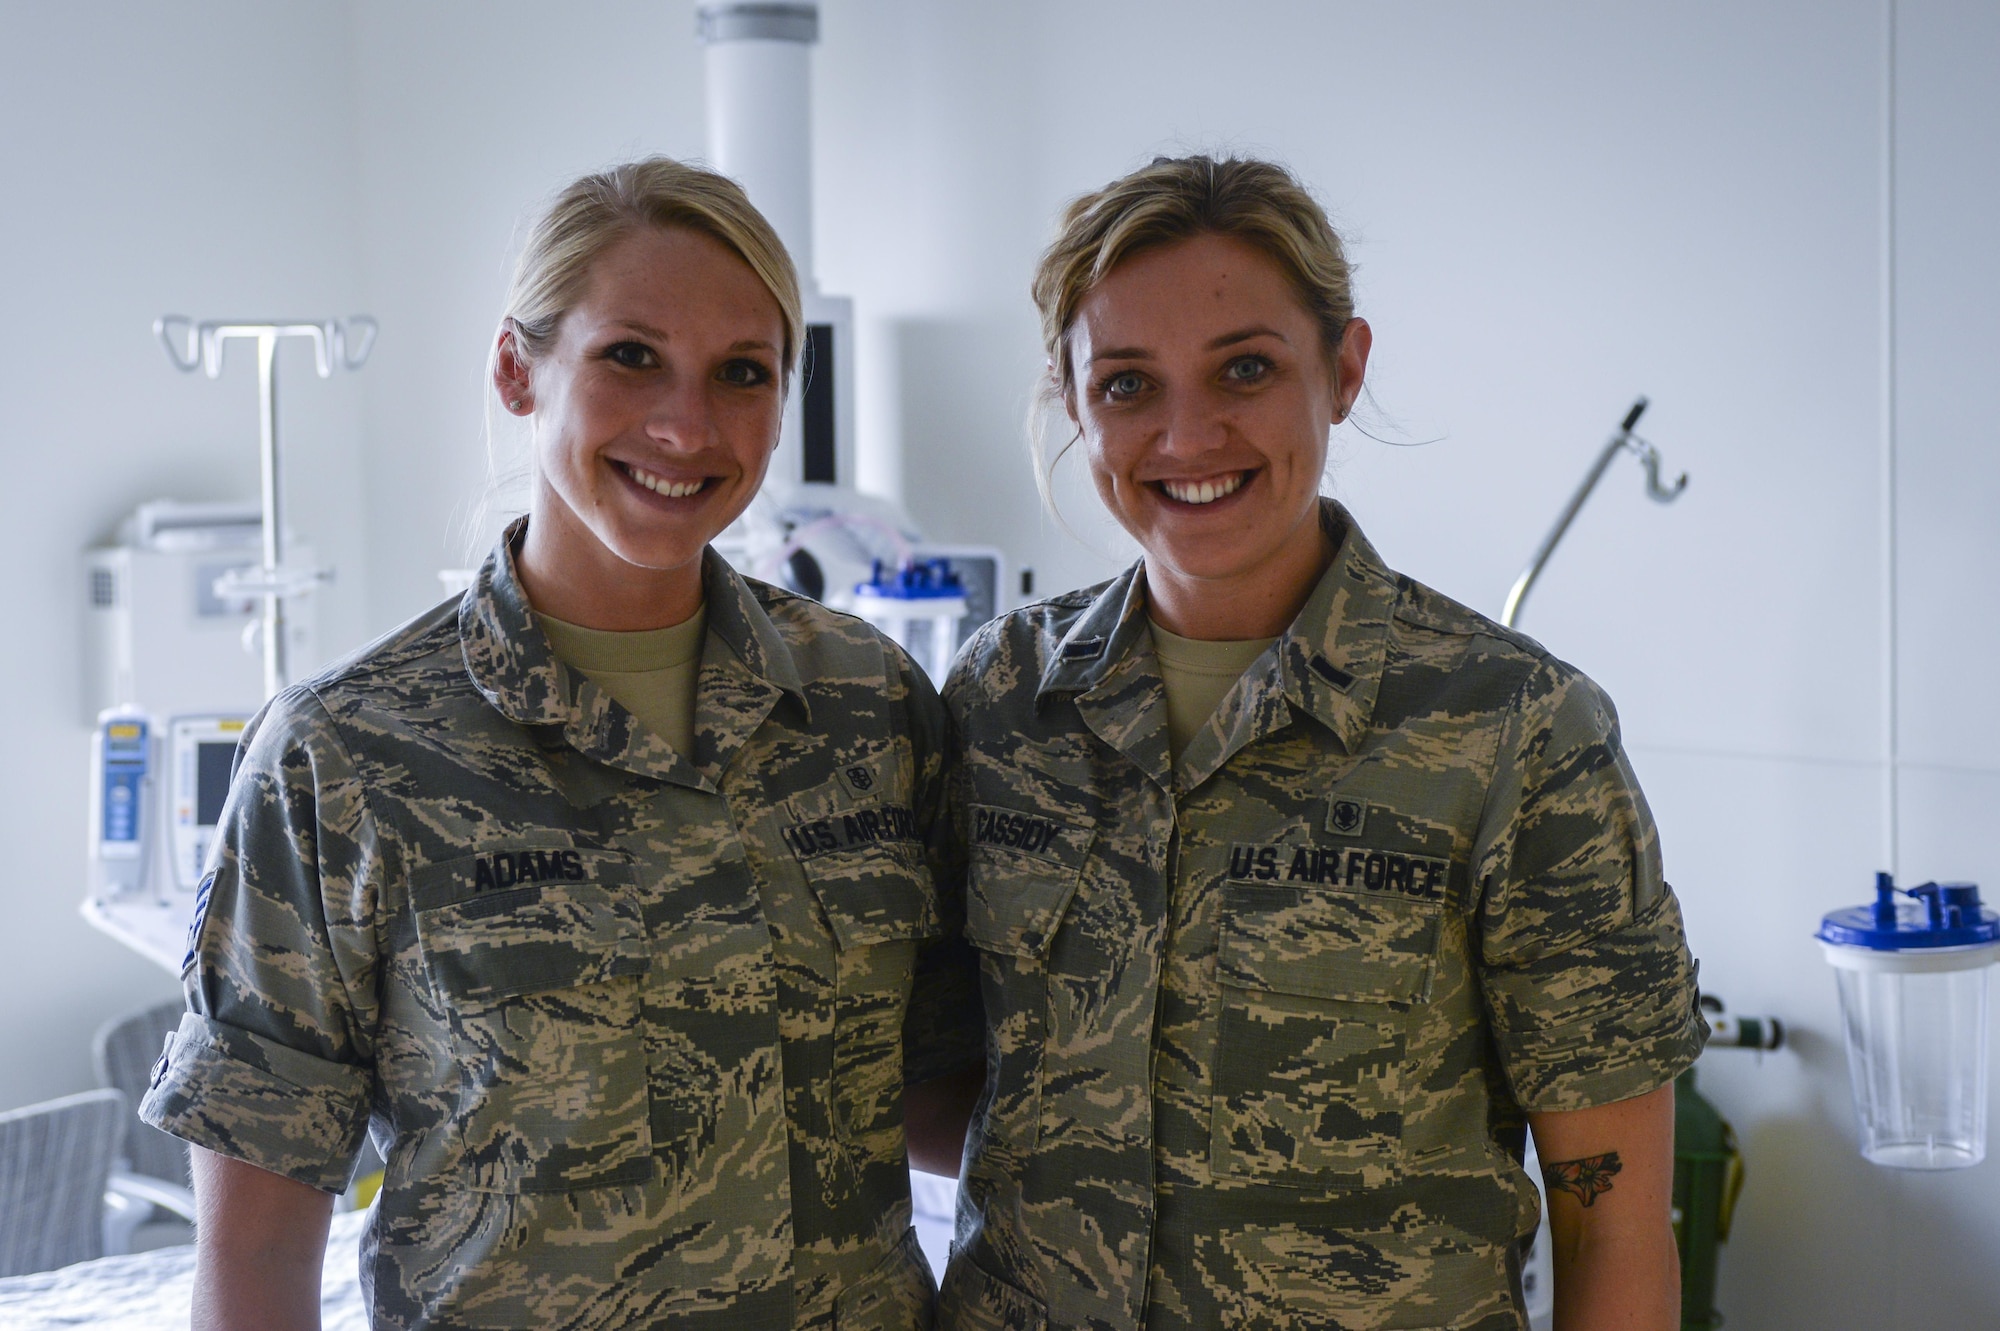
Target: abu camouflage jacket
x=1262, y=1031
x=627, y=1023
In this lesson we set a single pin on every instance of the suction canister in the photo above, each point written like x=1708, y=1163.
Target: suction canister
x=1913, y=970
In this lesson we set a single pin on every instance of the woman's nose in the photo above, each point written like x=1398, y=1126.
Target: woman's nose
x=679, y=415
x=1193, y=426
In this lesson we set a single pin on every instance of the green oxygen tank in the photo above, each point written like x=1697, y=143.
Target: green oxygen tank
x=1708, y=1176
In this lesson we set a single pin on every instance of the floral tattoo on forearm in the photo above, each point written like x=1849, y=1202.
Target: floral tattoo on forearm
x=1586, y=1179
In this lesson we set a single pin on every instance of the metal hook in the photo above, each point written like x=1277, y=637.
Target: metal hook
x=1622, y=439
x=174, y=329
x=1650, y=457
x=354, y=338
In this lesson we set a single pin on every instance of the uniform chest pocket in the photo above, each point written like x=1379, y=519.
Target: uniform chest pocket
x=534, y=956
x=1022, y=871
x=878, y=902
x=1318, y=990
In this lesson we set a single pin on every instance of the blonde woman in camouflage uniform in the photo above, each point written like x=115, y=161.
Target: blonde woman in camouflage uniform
x=595, y=892
x=1300, y=891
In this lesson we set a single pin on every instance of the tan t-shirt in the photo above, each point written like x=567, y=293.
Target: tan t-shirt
x=1197, y=675
x=650, y=672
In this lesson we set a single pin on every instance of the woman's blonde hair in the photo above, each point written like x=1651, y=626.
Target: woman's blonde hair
x=601, y=209
x=1173, y=198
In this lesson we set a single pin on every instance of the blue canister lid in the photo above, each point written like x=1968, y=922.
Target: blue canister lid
x=919, y=580
x=1935, y=915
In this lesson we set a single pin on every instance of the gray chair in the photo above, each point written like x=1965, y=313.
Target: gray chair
x=124, y=1052
x=151, y=1176
x=55, y=1158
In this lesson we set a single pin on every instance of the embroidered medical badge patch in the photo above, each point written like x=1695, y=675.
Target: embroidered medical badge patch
x=858, y=779
x=1346, y=817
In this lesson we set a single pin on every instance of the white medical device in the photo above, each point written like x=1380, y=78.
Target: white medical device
x=201, y=755
x=157, y=792
x=159, y=634
x=121, y=789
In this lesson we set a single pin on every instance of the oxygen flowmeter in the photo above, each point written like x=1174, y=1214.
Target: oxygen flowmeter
x=1914, y=967
x=120, y=790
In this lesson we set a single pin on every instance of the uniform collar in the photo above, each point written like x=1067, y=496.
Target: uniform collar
x=1329, y=659
x=1102, y=638
x=512, y=665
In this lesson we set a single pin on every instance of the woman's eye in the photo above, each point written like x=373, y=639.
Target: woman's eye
x=1247, y=369
x=1124, y=385
x=745, y=374
x=632, y=355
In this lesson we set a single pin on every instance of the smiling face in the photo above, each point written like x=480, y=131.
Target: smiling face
x=656, y=408
x=1204, y=394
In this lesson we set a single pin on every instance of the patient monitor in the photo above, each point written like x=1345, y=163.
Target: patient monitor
x=201, y=756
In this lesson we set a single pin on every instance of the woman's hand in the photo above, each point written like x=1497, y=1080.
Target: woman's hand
x=259, y=1241
x=1609, y=1173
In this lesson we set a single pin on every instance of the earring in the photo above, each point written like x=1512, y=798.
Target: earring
x=514, y=404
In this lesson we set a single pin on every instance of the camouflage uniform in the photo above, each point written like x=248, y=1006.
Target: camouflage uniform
x=1261, y=1031
x=627, y=1022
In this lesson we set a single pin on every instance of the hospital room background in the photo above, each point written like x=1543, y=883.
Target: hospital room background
x=1773, y=221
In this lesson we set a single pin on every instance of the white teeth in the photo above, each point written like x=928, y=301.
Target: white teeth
x=1204, y=492
x=660, y=485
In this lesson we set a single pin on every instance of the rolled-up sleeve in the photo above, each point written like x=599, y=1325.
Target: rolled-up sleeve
x=1587, y=976
x=273, y=1062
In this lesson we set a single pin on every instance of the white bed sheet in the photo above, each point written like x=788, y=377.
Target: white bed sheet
x=154, y=1291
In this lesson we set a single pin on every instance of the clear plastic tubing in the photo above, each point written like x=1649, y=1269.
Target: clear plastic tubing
x=1913, y=975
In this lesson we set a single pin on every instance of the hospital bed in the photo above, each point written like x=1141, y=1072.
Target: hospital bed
x=150, y=1290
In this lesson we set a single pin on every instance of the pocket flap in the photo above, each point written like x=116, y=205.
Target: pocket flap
x=1015, y=899
x=874, y=894
x=520, y=920
x=1322, y=944
x=897, y=1295
x=971, y=1298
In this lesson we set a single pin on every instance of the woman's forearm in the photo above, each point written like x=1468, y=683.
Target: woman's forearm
x=260, y=1239
x=935, y=1116
x=1609, y=1173
x=1618, y=1280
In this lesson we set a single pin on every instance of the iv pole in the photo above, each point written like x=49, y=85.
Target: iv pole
x=1622, y=439
x=346, y=341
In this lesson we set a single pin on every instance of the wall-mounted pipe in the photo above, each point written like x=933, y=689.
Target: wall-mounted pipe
x=759, y=99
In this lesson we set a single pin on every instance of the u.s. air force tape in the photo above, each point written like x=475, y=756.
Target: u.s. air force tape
x=1384, y=871
x=846, y=831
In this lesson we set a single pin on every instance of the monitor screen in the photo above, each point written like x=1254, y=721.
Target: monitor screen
x=213, y=762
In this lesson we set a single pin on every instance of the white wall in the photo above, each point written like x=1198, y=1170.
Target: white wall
x=470, y=116
x=195, y=158
x=1555, y=207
